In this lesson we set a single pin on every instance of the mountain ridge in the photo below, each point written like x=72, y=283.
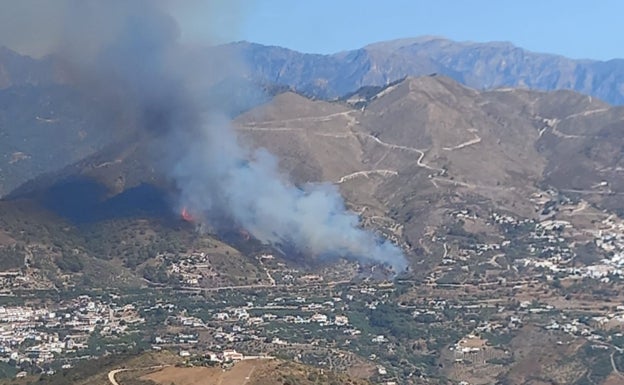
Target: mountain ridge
x=479, y=65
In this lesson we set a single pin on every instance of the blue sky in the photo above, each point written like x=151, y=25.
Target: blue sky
x=574, y=28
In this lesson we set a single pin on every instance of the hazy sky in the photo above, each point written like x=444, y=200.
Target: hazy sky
x=574, y=28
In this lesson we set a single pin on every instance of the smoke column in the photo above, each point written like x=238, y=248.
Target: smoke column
x=127, y=52
x=217, y=174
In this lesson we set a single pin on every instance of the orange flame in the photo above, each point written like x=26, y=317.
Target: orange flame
x=186, y=215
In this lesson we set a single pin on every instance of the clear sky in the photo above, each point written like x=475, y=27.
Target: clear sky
x=574, y=28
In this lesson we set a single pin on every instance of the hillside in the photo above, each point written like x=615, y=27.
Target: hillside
x=423, y=143
x=46, y=128
x=403, y=159
x=166, y=368
x=19, y=70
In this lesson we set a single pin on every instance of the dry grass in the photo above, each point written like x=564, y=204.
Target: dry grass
x=252, y=372
x=239, y=374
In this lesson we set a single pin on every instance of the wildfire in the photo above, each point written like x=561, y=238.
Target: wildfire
x=186, y=215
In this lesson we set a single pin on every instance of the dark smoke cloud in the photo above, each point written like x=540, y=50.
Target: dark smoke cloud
x=128, y=53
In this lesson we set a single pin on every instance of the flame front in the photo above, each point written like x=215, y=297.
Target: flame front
x=186, y=215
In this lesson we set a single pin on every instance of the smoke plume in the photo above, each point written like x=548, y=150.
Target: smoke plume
x=217, y=174
x=128, y=53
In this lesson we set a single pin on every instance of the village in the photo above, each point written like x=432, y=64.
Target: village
x=567, y=240
x=553, y=273
x=325, y=323
x=36, y=336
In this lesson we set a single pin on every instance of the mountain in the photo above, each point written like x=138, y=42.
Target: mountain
x=45, y=128
x=45, y=123
x=477, y=65
x=41, y=113
x=411, y=150
x=403, y=156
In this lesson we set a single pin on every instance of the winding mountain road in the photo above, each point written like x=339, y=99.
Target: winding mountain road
x=421, y=153
x=366, y=174
x=554, y=123
x=321, y=118
x=112, y=373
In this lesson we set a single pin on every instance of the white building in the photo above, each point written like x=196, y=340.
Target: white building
x=320, y=318
x=341, y=320
x=232, y=355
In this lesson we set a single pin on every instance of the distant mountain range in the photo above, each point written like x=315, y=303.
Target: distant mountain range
x=477, y=65
x=46, y=125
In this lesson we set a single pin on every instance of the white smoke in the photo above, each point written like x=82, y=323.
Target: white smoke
x=216, y=174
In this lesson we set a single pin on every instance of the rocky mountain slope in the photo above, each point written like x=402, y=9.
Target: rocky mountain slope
x=20, y=70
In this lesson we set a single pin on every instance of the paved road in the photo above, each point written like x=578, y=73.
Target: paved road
x=264, y=286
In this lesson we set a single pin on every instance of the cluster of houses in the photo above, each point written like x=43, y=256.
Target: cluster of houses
x=551, y=252
x=242, y=314
x=31, y=334
x=550, y=238
x=591, y=327
x=192, y=269
x=230, y=325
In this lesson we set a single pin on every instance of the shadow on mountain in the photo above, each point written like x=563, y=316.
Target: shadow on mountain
x=84, y=200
